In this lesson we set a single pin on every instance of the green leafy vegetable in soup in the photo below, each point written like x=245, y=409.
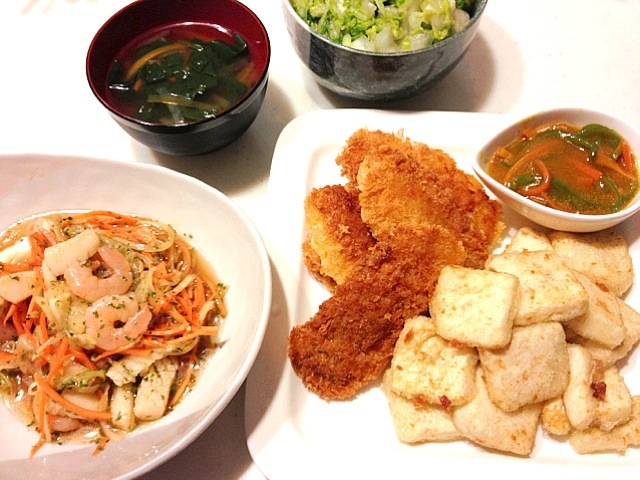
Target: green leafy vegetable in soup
x=385, y=26
x=181, y=76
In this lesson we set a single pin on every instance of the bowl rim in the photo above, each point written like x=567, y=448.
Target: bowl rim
x=176, y=127
x=480, y=6
x=200, y=418
x=542, y=116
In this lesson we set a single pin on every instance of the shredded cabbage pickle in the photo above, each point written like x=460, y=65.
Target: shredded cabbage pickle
x=385, y=26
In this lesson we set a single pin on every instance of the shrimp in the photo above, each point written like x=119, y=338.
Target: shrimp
x=80, y=277
x=114, y=321
x=62, y=423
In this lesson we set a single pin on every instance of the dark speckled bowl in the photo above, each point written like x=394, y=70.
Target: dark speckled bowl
x=377, y=76
x=139, y=17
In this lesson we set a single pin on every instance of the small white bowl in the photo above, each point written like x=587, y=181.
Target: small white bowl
x=546, y=216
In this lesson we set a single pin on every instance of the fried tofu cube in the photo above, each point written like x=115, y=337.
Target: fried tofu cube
x=602, y=256
x=600, y=353
x=534, y=367
x=475, y=307
x=528, y=239
x=608, y=356
x=554, y=417
x=482, y=422
x=617, y=405
x=596, y=440
x=580, y=404
x=417, y=423
x=549, y=290
x=428, y=368
x=602, y=322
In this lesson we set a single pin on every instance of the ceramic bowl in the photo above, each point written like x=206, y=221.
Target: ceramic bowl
x=227, y=240
x=540, y=214
x=377, y=76
x=137, y=19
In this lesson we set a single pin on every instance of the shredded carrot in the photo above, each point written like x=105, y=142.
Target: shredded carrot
x=38, y=242
x=593, y=173
x=169, y=331
x=627, y=157
x=161, y=272
x=82, y=357
x=116, y=351
x=41, y=414
x=101, y=444
x=61, y=356
x=6, y=268
x=72, y=407
x=199, y=293
x=41, y=441
x=176, y=315
x=6, y=357
x=186, y=306
x=10, y=312
x=17, y=314
x=138, y=85
x=536, y=152
x=144, y=349
x=139, y=63
x=163, y=305
x=205, y=331
x=97, y=218
x=42, y=322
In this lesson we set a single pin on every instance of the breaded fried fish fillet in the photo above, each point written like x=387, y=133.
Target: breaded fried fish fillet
x=417, y=213
x=411, y=188
x=350, y=340
x=364, y=141
x=337, y=238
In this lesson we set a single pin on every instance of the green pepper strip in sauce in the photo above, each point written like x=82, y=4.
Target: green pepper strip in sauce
x=526, y=180
x=612, y=186
x=575, y=139
x=603, y=134
x=573, y=198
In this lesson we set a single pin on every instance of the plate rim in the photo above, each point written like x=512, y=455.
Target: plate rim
x=266, y=442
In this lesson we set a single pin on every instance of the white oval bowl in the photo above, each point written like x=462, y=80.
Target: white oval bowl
x=540, y=214
x=35, y=184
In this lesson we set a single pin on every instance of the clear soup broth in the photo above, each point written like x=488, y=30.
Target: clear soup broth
x=180, y=74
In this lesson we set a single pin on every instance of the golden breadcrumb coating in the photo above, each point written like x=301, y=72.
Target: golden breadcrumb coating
x=336, y=233
x=397, y=188
x=350, y=340
x=417, y=213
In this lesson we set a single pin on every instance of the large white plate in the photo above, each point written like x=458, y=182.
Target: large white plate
x=31, y=184
x=293, y=434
